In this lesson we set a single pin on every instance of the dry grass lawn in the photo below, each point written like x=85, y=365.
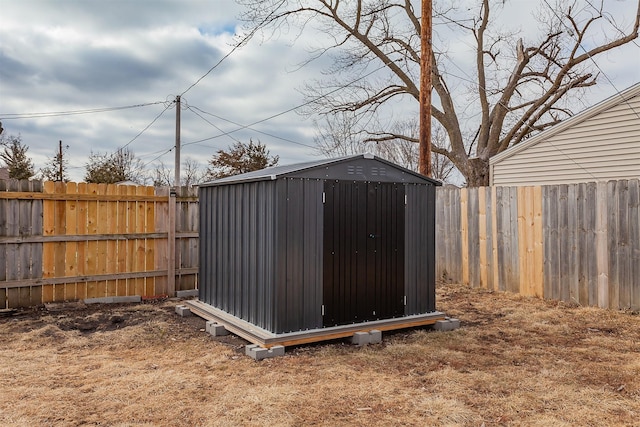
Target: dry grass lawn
x=515, y=361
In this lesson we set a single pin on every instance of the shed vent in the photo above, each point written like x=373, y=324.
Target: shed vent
x=354, y=170
x=378, y=171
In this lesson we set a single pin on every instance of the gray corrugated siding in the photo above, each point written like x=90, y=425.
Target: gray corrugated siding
x=299, y=255
x=261, y=248
x=420, y=248
x=261, y=252
x=237, y=250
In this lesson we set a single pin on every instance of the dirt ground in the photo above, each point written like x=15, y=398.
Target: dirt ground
x=515, y=361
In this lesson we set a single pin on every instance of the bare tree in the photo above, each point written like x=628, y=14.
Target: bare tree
x=520, y=85
x=162, y=176
x=404, y=151
x=336, y=137
x=192, y=173
x=56, y=167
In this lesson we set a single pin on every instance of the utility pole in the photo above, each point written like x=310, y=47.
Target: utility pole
x=60, y=161
x=176, y=181
x=424, y=157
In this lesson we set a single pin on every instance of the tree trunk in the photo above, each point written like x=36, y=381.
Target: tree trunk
x=477, y=172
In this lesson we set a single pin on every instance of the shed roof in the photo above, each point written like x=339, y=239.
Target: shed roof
x=618, y=98
x=275, y=172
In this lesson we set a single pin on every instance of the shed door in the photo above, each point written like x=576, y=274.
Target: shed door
x=363, y=252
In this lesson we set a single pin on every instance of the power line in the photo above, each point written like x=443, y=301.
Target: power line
x=611, y=21
x=157, y=157
x=147, y=127
x=242, y=42
x=167, y=106
x=311, y=101
x=210, y=70
x=192, y=108
x=16, y=116
x=153, y=153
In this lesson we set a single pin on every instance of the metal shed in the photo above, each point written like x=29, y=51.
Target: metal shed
x=306, y=252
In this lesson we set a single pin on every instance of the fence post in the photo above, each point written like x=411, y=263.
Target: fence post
x=171, y=245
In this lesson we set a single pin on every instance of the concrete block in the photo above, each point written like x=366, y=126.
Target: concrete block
x=375, y=336
x=364, y=338
x=442, y=325
x=183, y=311
x=248, y=349
x=187, y=294
x=446, y=325
x=277, y=350
x=360, y=338
x=259, y=353
x=215, y=329
x=208, y=326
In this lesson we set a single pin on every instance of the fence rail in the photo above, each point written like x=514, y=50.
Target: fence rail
x=68, y=241
x=578, y=243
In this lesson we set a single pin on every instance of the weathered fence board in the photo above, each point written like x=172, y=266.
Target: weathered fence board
x=186, y=257
x=20, y=260
x=464, y=232
x=623, y=243
x=634, y=239
x=578, y=243
x=484, y=243
x=448, y=234
x=513, y=263
x=613, y=228
x=473, y=236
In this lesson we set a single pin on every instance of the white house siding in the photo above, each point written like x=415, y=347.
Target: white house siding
x=601, y=146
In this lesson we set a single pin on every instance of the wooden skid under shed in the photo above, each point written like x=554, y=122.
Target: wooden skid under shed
x=264, y=338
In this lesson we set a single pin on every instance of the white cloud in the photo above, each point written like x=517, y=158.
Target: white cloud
x=80, y=54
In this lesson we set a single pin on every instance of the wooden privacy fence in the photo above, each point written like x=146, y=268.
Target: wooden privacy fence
x=578, y=243
x=68, y=241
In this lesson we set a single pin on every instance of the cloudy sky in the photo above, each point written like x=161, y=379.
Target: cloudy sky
x=76, y=56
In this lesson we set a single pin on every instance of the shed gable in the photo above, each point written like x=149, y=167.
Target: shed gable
x=360, y=169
